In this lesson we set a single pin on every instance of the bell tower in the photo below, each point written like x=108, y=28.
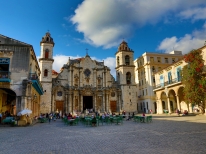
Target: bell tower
x=46, y=61
x=125, y=76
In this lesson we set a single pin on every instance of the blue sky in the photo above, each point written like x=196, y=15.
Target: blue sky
x=100, y=26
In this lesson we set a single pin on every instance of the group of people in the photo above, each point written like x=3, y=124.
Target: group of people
x=130, y=116
x=50, y=116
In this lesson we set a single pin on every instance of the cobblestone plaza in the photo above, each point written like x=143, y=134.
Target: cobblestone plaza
x=165, y=135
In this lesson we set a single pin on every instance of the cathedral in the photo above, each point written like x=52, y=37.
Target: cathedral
x=85, y=83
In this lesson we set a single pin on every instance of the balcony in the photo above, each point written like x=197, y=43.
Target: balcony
x=5, y=76
x=167, y=83
x=36, y=83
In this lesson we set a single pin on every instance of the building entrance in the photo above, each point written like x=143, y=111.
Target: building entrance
x=87, y=102
x=113, y=106
x=59, y=106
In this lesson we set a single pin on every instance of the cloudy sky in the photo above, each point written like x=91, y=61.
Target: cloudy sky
x=101, y=25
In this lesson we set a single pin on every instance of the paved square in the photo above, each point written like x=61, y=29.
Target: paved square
x=165, y=135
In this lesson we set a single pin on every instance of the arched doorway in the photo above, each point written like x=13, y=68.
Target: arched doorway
x=7, y=102
x=87, y=102
x=155, y=107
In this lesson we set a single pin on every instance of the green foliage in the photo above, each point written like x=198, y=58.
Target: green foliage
x=193, y=79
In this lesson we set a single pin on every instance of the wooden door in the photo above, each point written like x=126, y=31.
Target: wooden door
x=113, y=106
x=60, y=106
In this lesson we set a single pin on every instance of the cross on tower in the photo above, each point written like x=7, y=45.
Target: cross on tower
x=86, y=51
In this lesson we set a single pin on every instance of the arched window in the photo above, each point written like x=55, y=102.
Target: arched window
x=127, y=60
x=118, y=61
x=128, y=78
x=47, y=39
x=45, y=72
x=47, y=53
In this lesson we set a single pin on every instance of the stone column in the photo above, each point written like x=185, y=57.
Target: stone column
x=105, y=78
x=103, y=102
x=94, y=77
x=80, y=78
x=66, y=102
x=106, y=106
x=168, y=103
x=72, y=78
x=102, y=80
x=160, y=109
x=69, y=76
x=95, y=102
x=81, y=102
x=119, y=102
x=70, y=103
x=52, y=109
x=178, y=103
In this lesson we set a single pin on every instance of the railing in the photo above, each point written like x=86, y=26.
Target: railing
x=33, y=76
x=5, y=74
x=162, y=85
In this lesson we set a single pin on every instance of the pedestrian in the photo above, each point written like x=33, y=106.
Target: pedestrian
x=129, y=117
x=0, y=117
x=49, y=118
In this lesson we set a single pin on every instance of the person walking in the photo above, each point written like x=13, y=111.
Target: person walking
x=0, y=117
x=49, y=118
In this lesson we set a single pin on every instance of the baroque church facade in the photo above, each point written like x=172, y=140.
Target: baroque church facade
x=85, y=83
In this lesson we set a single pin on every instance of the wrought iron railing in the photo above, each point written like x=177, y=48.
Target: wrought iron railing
x=33, y=76
x=162, y=85
x=5, y=75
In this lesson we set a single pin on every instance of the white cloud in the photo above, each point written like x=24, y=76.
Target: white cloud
x=198, y=13
x=60, y=60
x=106, y=23
x=185, y=43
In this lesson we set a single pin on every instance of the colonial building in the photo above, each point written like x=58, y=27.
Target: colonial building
x=125, y=71
x=145, y=68
x=19, y=77
x=85, y=83
x=82, y=84
x=169, y=88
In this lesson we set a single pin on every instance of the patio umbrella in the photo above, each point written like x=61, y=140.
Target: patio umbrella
x=24, y=111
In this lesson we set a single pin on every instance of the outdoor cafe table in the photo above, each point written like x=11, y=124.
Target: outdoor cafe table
x=71, y=121
x=140, y=118
x=116, y=120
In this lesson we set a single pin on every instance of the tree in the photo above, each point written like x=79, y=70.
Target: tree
x=194, y=80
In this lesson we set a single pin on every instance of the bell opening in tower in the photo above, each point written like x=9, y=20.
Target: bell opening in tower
x=87, y=102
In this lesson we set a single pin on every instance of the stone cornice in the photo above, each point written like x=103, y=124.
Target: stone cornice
x=46, y=59
x=178, y=63
x=168, y=68
x=6, y=53
x=124, y=66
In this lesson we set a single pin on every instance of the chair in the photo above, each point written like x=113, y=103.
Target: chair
x=107, y=120
x=137, y=119
x=149, y=119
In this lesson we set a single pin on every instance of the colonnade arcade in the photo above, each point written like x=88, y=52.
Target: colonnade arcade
x=73, y=99
x=171, y=99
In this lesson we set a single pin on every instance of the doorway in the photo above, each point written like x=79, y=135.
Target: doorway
x=87, y=102
x=60, y=106
x=113, y=106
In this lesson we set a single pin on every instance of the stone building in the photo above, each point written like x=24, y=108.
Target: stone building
x=169, y=88
x=125, y=75
x=19, y=77
x=81, y=84
x=85, y=83
x=145, y=68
